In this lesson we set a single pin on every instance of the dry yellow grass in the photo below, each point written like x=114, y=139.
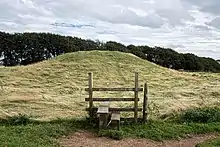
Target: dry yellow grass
x=55, y=88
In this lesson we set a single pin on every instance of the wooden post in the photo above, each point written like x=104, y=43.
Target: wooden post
x=136, y=99
x=90, y=95
x=145, y=103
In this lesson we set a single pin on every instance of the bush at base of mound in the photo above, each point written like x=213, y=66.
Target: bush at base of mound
x=20, y=119
x=200, y=115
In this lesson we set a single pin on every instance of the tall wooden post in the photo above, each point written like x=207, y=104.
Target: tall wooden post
x=90, y=95
x=145, y=113
x=136, y=99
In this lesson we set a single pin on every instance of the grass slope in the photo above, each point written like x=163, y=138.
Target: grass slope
x=55, y=88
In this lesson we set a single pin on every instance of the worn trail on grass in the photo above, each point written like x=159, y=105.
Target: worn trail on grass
x=87, y=139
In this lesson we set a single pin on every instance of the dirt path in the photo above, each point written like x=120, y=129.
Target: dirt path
x=87, y=139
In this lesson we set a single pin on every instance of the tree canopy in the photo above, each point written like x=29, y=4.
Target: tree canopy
x=28, y=48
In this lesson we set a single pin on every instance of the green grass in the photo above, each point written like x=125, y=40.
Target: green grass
x=31, y=135
x=21, y=130
x=210, y=143
x=191, y=121
x=38, y=133
x=158, y=130
x=47, y=133
x=55, y=88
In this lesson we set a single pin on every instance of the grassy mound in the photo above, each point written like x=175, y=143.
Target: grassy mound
x=55, y=88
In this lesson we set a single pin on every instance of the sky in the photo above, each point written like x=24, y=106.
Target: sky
x=187, y=26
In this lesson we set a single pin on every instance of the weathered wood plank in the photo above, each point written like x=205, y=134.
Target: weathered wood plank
x=115, y=116
x=113, y=89
x=145, y=103
x=117, y=109
x=111, y=99
x=103, y=110
x=90, y=95
x=136, y=98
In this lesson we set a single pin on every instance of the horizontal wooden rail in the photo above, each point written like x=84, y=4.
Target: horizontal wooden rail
x=111, y=99
x=114, y=89
x=118, y=109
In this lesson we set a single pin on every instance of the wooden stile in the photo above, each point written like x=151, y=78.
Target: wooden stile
x=92, y=110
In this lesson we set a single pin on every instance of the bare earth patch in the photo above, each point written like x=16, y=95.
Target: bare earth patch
x=87, y=139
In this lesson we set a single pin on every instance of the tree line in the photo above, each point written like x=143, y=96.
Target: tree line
x=28, y=48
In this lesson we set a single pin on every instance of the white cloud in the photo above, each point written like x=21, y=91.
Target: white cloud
x=210, y=6
x=215, y=22
x=184, y=25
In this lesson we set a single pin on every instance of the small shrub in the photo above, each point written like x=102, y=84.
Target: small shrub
x=201, y=115
x=20, y=119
